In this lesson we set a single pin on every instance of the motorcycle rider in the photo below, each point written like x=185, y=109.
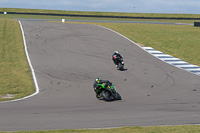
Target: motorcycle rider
x=98, y=86
x=115, y=57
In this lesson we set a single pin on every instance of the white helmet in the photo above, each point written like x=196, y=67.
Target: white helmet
x=116, y=52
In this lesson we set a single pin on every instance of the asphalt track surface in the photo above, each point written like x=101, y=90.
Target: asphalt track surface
x=68, y=57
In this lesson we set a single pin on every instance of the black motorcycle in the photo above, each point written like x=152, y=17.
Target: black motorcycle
x=108, y=93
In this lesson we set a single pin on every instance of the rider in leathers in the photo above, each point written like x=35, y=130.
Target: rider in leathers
x=97, y=86
x=115, y=57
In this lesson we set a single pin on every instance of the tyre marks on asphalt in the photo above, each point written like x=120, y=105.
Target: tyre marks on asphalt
x=173, y=61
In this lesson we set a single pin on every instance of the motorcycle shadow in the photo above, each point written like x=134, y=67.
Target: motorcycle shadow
x=102, y=99
x=125, y=69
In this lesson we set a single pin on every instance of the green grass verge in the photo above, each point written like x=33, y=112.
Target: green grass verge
x=11, y=16
x=101, y=13
x=153, y=129
x=15, y=76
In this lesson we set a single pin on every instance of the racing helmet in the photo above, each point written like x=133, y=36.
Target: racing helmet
x=97, y=79
x=116, y=52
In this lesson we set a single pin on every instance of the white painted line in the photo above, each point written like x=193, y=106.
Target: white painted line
x=31, y=67
x=198, y=73
x=193, y=69
x=163, y=55
x=171, y=60
x=155, y=52
x=190, y=66
x=148, y=48
x=122, y=36
x=178, y=62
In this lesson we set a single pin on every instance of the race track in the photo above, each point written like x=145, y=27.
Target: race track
x=68, y=57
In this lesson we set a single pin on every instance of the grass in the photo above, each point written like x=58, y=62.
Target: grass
x=97, y=13
x=153, y=129
x=15, y=76
x=101, y=13
x=11, y=16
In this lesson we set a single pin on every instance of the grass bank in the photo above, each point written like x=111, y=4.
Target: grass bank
x=15, y=76
x=153, y=129
x=156, y=15
x=11, y=16
x=101, y=13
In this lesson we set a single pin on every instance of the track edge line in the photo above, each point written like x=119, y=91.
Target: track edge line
x=31, y=67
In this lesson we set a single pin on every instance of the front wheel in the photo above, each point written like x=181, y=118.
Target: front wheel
x=107, y=95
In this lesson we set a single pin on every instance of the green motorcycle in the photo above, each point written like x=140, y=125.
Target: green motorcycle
x=107, y=92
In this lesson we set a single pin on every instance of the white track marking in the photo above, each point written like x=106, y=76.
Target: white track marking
x=173, y=61
x=31, y=67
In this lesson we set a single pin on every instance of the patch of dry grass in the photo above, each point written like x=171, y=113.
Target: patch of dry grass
x=15, y=77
